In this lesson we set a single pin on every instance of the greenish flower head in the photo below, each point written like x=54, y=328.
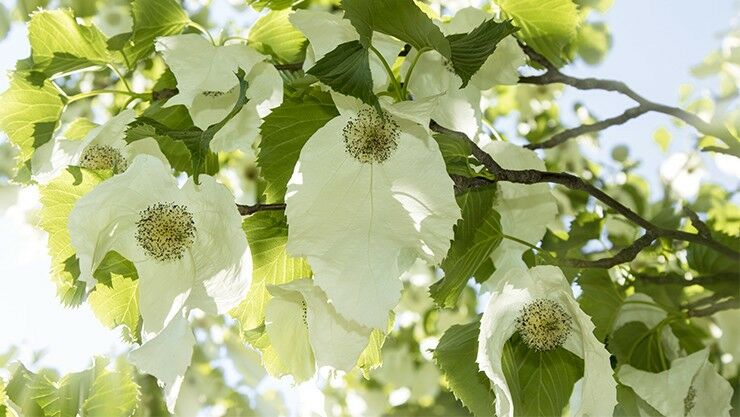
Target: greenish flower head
x=370, y=137
x=103, y=157
x=543, y=324
x=689, y=401
x=165, y=231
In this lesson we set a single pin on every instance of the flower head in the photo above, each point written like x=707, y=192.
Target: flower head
x=208, y=86
x=187, y=246
x=539, y=304
x=103, y=148
x=370, y=195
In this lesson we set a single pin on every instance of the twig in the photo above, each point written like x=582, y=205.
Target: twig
x=530, y=176
x=710, y=305
x=675, y=279
x=625, y=255
x=246, y=210
x=698, y=224
x=553, y=75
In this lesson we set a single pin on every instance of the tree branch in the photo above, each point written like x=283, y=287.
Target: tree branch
x=246, y=210
x=553, y=75
x=625, y=255
x=710, y=305
x=530, y=176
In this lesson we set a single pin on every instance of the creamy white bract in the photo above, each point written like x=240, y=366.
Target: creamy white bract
x=691, y=387
x=523, y=289
x=525, y=210
x=103, y=147
x=186, y=243
x=367, y=198
x=208, y=86
x=307, y=333
x=459, y=109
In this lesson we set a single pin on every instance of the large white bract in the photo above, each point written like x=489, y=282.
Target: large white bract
x=519, y=289
x=362, y=224
x=208, y=86
x=690, y=388
x=186, y=243
x=307, y=333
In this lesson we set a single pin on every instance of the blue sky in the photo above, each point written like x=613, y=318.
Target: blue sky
x=655, y=44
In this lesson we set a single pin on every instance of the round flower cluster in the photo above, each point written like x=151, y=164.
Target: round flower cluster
x=371, y=137
x=543, y=324
x=165, y=231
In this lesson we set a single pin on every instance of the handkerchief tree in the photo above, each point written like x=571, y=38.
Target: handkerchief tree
x=374, y=200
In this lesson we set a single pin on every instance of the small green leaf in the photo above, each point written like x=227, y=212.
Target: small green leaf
x=117, y=304
x=267, y=233
x=601, y=299
x=272, y=34
x=540, y=382
x=708, y=261
x=637, y=345
x=346, y=70
x=259, y=5
x=470, y=51
x=399, y=18
x=61, y=45
x=455, y=356
x=371, y=357
x=477, y=234
x=546, y=25
x=457, y=155
x=663, y=138
x=29, y=112
x=284, y=132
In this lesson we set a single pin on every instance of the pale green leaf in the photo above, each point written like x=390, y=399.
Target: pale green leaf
x=601, y=299
x=152, y=19
x=455, y=355
x=284, y=132
x=61, y=45
x=57, y=200
x=29, y=112
x=112, y=394
x=272, y=34
x=663, y=138
x=546, y=25
x=117, y=304
x=267, y=234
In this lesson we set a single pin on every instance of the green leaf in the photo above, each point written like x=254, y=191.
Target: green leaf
x=117, y=304
x=456, y=153
x=176, y=151
x=470, y=51
x=267, y=233
x=546, y=25
x=61, y=45
x=477, y=234
x=601, y=299
x=540, y=382
x=112, y=394
x=257, y=338
x=346, y=70
x=399, y=18
x=708, y=261
x=152, y=19
x=663, y=138
x=637, y=345
x=57, y=200
x=62, y=398
x=371, y=357
x=455, y=356
x=18, y=390
x=29, y=112
x=630, y=405
x=272, y=34
x=4, y=29
x=284, y=132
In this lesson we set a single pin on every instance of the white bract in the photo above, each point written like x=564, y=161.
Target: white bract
x=691, y=387
x=539, y=303
x=459, y=109
x=525, y=210
x=307, y=333
x=208, y=86
x=104, y=147
x=370, y=195
x=325, y=31
x=186, y=243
